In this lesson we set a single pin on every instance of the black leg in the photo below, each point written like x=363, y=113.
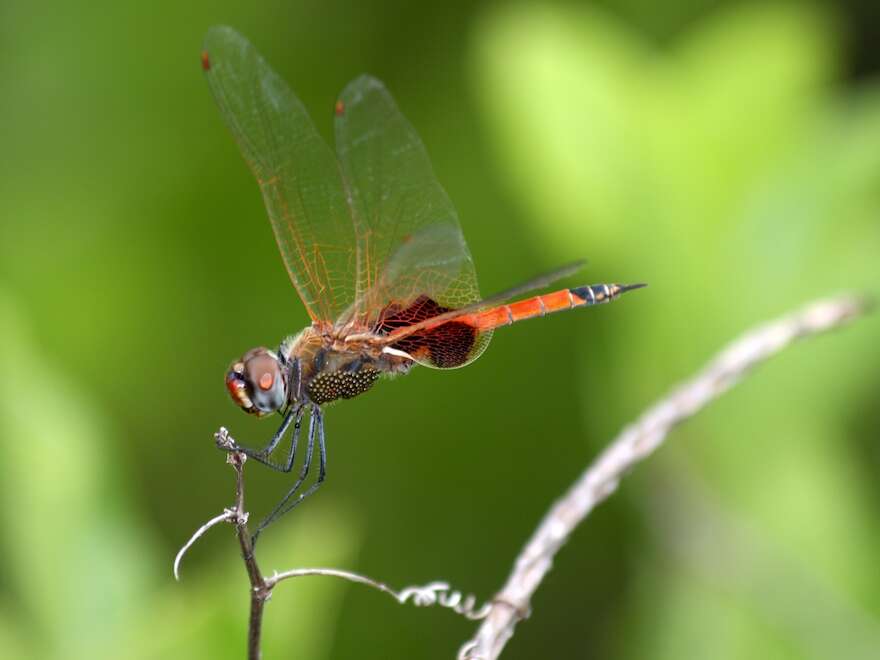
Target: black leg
x=303, y=473
x=265, y=451
x=286, y=505
x=322, y=469
x=291, y=453
x=316, y=428
x=262, y=455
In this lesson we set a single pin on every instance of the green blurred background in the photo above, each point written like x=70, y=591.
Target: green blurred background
x=726, y=153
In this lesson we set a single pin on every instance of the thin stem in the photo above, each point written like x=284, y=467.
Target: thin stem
x=434, y=593
x=226, y=516
x=260, y=591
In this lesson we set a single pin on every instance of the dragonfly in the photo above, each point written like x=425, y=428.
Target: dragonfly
x=373, y=246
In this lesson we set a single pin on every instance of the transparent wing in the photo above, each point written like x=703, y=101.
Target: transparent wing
x=298, y=174
x=410, y=245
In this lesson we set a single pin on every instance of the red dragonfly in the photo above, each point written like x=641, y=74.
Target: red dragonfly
x=373, y=246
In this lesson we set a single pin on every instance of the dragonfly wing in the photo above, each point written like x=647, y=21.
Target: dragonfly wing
x=410, y=244
x=298, y=173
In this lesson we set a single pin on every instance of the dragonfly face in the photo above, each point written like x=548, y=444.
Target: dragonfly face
x=258, y=382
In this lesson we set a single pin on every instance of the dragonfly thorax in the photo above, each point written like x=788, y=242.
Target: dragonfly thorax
x=329, y=368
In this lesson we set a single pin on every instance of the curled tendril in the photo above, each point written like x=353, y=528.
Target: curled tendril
x=440, y=593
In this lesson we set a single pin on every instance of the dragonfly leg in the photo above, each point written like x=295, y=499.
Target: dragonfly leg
x=294, y=440
x=262, y=455
x=288, y=502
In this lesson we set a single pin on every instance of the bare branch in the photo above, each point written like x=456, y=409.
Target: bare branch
x=260, y=593
x=634, y=444
x=237, y=516
x=435, y=593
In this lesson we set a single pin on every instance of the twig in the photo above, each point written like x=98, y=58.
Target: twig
x=634, y=444
x=260, y=590
x=433, y=593
x=227, y=515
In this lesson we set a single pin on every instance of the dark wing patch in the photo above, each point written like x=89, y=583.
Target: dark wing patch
x=446, y=346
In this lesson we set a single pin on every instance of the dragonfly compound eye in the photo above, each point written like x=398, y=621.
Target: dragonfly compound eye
x=256, y=382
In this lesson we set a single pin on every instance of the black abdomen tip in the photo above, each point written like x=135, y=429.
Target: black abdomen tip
x=602, y=293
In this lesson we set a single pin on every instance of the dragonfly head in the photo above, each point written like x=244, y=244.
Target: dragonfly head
x=257, y=382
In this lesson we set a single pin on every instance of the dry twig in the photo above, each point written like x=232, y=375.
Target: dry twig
x=261, y=590
x=434, y=593
x=634, y=444
x=226, y=516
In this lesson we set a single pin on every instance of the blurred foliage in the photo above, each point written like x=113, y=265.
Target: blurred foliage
x=755, y=181
x=720, y=151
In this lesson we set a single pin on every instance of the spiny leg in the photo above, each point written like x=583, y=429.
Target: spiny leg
x=303, y=473
x=316, y=427
x=233, y=445
x=286, y=505
x=262, y=455
x=291, y=453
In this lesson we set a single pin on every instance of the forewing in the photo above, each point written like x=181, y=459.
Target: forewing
x=410, y=244
x=297, y=172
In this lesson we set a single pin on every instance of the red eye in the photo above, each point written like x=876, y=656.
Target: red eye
x=237, y=389
x=266, y=381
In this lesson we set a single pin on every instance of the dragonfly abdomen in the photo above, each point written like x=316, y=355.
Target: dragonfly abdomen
x=549, y=303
